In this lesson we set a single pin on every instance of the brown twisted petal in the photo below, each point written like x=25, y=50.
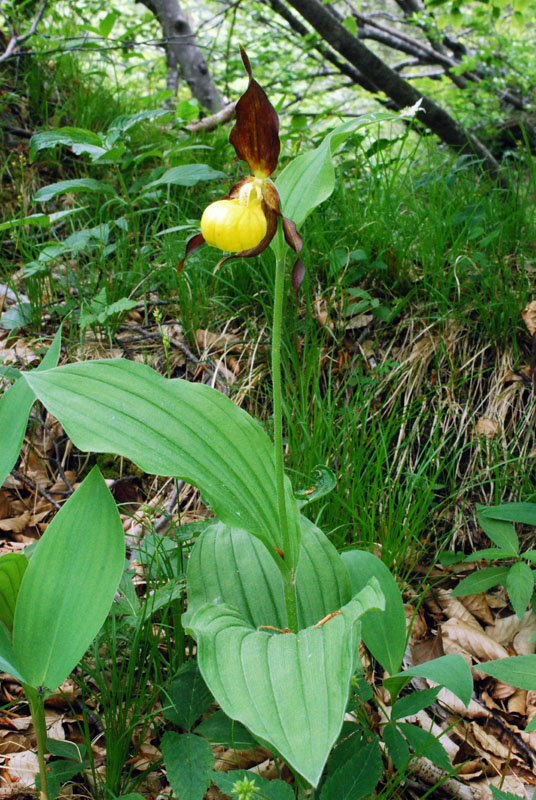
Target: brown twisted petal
x=192, y=245
x=292, y=237
x=255, y=135
x=294, y=240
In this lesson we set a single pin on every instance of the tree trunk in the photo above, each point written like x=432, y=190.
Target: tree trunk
x=400, y=91
x=183, y=52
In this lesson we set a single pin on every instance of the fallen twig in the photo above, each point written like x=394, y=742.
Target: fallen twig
x=208, y=124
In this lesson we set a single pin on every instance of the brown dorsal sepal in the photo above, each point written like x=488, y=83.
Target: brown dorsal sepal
x=255, y=135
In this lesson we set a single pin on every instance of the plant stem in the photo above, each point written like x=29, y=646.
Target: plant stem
x=37, y=710
x=302, y=787
x=289, y=581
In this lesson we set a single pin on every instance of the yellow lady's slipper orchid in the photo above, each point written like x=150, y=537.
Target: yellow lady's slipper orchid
x=230, y=226
x=238, y=224
x=246, y=220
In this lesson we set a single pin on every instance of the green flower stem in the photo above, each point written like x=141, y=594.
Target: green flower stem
x=37, y=710
x=289, y=579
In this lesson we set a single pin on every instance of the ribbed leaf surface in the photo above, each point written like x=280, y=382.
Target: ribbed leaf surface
x=175, y=428
x=8, y=661
x=69, y=585
x=232, y=567
x=290, y=690
x=229, y=566
x=12, y=569
x=15, y=406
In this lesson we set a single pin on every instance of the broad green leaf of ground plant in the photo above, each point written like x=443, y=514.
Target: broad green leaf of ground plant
x=15, y=406
x=80, y=139
x=127, y=121
x=228, y=566
x=309, y=179
x=174, y=428
x=12, y=569
x=500, y=531
x=186, y=175
x=188, y=696
x=69, y=585
x=38, y=220
x=384, y=633
x=324, y=483
x=450, y=671
x=358, y=776
x=8, y=660
x=498, y=794
x=222, y=730
x=410, y=704
x=520, y=586
x=424, y=743
x=519, y=671
x=525, y=513
x=70, y=761
x=397, y=746
x=481, y=581
x=189, y=762
x=268, y=789
x=76, y=185
x=290, y=690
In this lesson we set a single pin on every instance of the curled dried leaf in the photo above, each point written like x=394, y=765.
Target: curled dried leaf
x=487, y=427
x=529, y=317
x=454, y=608
x=475, y=642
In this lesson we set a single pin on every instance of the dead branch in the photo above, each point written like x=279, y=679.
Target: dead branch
x=214, y=121
x=17, y=39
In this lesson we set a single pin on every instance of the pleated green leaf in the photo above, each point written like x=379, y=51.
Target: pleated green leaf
x=290, y=690
x=309, y=179
x=15, y=406
x=174, y=428
x=229, y=566
x=322, y=579
x=8, y=661
x=12, y=569
x=69, y=585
